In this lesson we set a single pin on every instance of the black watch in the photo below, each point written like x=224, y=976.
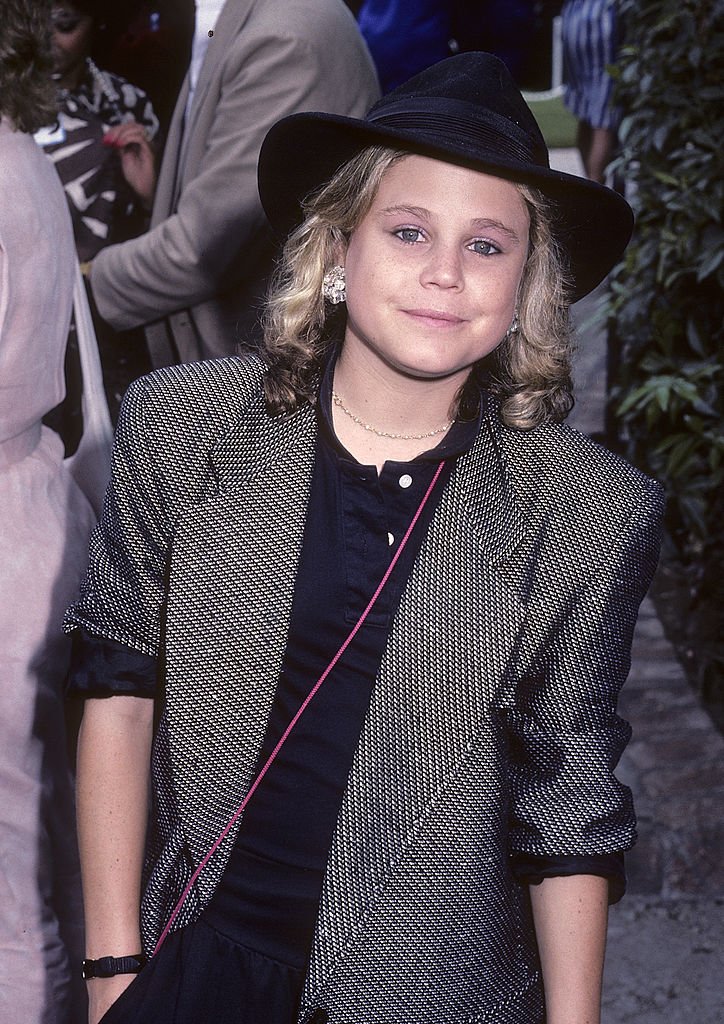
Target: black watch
x=107, y=966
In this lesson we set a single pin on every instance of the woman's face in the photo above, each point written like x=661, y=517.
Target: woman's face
x=72, y=37
x=433, y=269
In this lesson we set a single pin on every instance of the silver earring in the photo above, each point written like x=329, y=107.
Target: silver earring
x=514, y=326
x=334, y=286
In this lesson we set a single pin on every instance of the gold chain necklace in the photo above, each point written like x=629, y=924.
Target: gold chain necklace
x=384, y=433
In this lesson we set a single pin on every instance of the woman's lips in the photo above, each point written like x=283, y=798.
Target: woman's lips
x=434, y=317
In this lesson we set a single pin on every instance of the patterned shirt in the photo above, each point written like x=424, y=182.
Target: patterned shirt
x=103, y=207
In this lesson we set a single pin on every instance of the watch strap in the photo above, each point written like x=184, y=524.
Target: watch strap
x=108, y=966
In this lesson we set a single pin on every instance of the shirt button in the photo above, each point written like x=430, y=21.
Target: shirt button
x=405, y=480
x=390, y=539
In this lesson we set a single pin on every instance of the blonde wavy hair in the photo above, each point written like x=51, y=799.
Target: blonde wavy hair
x=529, y=371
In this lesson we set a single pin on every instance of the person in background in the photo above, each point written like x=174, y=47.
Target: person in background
x=102, y=144
x=358, y=612
x=197, y=277
x=149, y=42
x=405, y=38
x=45, y=522
x=590, y=43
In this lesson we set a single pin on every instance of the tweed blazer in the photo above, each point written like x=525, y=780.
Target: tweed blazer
x=492, y=726
x=195, y=280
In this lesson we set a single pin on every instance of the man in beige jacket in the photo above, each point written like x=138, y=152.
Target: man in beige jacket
x=196, y=278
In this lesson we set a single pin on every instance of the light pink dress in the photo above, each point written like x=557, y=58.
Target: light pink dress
x=45, y=520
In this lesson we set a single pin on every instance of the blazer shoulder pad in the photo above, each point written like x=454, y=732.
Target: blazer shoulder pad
x=563, y=469
x=195, y=402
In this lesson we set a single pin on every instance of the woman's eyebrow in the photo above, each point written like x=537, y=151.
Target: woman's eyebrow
x=481, y=223
x=412, y=211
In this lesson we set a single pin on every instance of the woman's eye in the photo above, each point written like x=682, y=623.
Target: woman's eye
x=484, y=248
x=65, y=23
x=409, y=234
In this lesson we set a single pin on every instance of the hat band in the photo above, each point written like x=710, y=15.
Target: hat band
x=462, y=133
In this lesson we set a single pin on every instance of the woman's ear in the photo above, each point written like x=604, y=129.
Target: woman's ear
x=339, y=252
x=339, y=242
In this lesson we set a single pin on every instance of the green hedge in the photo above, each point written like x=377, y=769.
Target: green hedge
x=667, y=298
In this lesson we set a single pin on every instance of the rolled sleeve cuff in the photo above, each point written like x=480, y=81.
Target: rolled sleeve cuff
x=105, y=668
x=531, y=870
x=565, y=795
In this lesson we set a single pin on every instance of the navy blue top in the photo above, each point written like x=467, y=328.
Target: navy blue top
x=356, y=519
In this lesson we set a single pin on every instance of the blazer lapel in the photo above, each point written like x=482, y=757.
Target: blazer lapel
x=233, y=572
x=453, y=637
x=164, y=200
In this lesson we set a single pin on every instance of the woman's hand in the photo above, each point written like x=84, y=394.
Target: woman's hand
x=138, y=160
x=103, y=992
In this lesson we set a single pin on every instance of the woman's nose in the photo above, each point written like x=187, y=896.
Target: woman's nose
x=443, y=267
x=56, y=50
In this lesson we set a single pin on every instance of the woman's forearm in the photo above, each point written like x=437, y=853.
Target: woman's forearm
x=112, y=794
x=571, y=916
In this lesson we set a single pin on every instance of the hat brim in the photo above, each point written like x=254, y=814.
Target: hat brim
x=592, y=223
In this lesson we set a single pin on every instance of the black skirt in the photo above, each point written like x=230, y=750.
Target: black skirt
x=200, y=975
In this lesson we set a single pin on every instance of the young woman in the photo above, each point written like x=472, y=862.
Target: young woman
x=438, y=835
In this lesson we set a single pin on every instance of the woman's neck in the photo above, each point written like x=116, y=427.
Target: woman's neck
x=372, y=404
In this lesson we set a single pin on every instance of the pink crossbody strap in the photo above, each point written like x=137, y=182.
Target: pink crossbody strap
x=302, y=708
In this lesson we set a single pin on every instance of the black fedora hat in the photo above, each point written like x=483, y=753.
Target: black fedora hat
x=466, y=110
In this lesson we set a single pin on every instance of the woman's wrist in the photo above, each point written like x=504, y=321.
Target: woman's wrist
x=109, y=966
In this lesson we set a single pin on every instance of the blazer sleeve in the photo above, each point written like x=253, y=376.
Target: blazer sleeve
x=123, y=593
x=182, y=261
x=565, y=735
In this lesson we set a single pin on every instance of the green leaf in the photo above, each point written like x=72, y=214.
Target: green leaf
x=662, y=392
x=710, y=265
x=667, y=179
x=635, y=399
